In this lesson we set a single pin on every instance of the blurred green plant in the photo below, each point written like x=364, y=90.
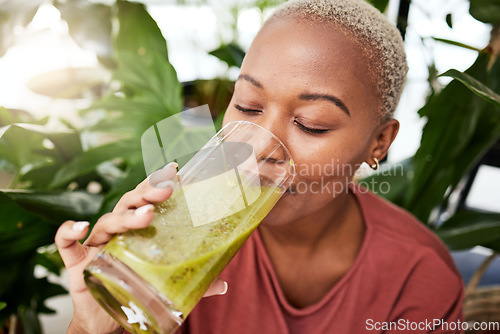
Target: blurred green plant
x=53, y=171
x=463, y=123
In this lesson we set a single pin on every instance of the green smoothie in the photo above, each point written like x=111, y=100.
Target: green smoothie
x=181, y=260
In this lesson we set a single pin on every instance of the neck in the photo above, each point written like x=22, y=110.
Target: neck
x=336, y=224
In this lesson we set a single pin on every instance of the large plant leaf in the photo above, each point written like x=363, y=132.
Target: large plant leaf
x=138, y=33
x=487, y=11
x=141, y=54
x=134, y=175
x=467, y=229
x=18, y=146
x=152, y=91
x=51, y=261
x=152, y=79
x=89, y=160
x=36, y=152
x=10, y=116
x=21, y=232
x=3, y=305
x=391, y=181
x=58, y=206
x=475, y=86
x=460, y=129
x=26, y=295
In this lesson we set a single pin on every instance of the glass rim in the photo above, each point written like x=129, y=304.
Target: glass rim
x=292, y=162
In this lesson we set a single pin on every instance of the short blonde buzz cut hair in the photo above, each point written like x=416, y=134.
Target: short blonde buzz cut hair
x=379, y=39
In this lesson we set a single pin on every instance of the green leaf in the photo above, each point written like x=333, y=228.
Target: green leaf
x=10, y=116
x=51, y=261
x=487, y=11
x=152, y=79
x=232, y=54
x=21, y=232
x=3, y=305
x=89, y=160
x=462, y=45
x=138, y=33
x=58, y=206
x=44, y=290
x=381, y=5
x=475, y=86
x=460, y=128
x=143, y=66
x=26, y=147
x=134, y=175
x=391, y=181
x=23, y=292
x=18, y=146
x=467, y=229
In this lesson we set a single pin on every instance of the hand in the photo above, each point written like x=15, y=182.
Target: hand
x=133, y=211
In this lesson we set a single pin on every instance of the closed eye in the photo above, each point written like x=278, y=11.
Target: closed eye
x=310, y=130
x=247, y=110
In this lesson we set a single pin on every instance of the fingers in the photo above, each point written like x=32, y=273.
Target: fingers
x=156, y=188
x=164, y=177
x=119, y=222
x=219, y=287
x=67, y=241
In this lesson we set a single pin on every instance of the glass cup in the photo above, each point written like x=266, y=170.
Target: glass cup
x=150, y=279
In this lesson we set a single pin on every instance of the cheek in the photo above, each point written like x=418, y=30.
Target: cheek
x=335, y=157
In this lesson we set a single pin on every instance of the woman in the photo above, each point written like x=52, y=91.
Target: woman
x=324, y=77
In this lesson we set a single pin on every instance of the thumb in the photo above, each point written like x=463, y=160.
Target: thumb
x=219, y=287
x=67, y=241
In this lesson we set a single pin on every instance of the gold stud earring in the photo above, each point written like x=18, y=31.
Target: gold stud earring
x=375, y=165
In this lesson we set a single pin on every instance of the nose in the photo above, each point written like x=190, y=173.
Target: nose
x=274, y=123
x=268, y=155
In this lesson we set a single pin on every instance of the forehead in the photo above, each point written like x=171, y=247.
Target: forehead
x=292, y=52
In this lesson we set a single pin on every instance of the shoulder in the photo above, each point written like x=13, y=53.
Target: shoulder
x=410, y=261
x=397, y=227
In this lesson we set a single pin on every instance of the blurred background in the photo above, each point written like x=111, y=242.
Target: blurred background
x=81, y=80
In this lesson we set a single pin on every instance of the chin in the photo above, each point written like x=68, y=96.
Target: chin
x=282, y=212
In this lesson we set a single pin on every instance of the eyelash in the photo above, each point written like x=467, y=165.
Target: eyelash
x=240, y=108
x=310, y=130
x=300, y=125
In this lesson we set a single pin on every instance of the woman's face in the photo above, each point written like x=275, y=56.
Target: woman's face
x=308, y=83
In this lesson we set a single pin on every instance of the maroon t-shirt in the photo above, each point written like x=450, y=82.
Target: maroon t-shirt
x=403, y=281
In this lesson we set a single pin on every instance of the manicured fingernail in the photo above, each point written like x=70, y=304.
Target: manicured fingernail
x=171, y=164
x=225, y=289
x=167, y=184
x=144, y=209
x=80, y=226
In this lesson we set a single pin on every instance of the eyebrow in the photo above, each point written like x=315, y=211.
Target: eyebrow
x=304, y=96
x=250, y=79
x=335, y=100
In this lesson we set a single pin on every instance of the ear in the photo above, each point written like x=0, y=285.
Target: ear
x=384, y=136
